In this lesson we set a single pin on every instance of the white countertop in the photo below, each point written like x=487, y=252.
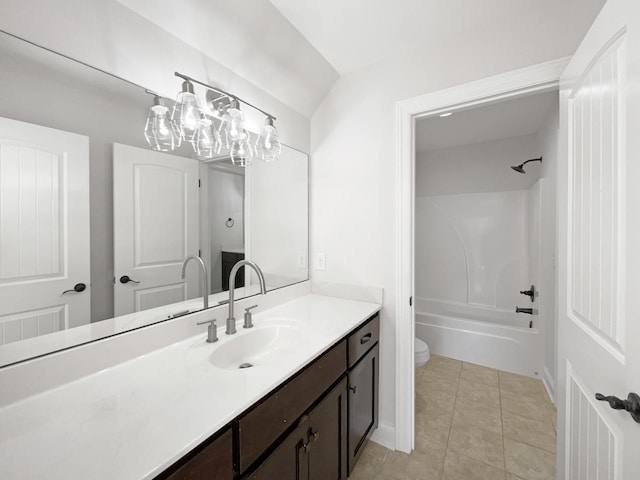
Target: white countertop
x=137, y=418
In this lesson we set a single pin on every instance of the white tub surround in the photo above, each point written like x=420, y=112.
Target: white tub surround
x=135, y=419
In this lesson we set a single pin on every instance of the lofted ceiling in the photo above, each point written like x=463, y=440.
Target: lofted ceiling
x=355, y=33
x=496, y=121
x=295, y=50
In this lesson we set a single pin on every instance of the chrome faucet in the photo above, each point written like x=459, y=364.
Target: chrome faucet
x=203, y=275
x=231, y=321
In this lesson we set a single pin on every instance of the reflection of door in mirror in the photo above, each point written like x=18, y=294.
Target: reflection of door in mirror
x=44, y=230
x=155, y=227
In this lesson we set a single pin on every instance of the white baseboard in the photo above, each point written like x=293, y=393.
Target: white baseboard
x=385, y=435
x=549, y=384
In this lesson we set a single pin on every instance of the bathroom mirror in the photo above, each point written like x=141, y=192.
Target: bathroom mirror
x=95, y=226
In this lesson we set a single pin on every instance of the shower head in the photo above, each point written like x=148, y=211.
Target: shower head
x=520, y=169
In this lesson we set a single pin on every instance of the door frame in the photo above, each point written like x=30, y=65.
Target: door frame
x=533, y=79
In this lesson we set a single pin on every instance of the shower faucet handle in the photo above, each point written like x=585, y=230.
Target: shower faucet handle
x=530, y=293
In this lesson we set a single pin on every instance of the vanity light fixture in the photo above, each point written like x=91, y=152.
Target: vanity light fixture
x=268, y=146
x=187, y=112
x=191, y=123
x=159, y=130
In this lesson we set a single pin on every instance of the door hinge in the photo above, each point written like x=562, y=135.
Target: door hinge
x=411, y=301
x=199, y=183
x=199, y=253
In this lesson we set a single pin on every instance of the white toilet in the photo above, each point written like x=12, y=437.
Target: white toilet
x=421, y=352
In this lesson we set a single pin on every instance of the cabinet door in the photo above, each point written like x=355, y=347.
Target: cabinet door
x=212, y=461
x=363, y=404
x=328, y=436
x=289, y=460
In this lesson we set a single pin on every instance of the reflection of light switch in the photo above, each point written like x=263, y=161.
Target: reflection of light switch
x=302, y=260
x=321, y=261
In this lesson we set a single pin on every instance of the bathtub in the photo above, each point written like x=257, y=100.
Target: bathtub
x=484, y=336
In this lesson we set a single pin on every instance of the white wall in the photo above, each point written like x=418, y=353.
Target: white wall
x=477, y=168
x=353, y=197
x=548, y=140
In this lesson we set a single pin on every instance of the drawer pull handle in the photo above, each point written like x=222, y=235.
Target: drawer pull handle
x=365, y=338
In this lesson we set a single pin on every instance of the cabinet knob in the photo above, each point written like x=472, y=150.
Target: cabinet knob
x=352, y=388
x=314, y=434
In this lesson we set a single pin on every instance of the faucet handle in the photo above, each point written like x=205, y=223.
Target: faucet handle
x=212, y=331
x=248, y=321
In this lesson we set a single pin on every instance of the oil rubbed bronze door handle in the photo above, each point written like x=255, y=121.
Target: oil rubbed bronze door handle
x=631, y=404
x=365, y=338
x=127, y=279
x=77, y=288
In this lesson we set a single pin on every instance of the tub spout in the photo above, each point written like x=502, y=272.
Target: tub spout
x=524, y=310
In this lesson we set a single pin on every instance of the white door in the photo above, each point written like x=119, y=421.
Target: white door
x=599, y=249
x=44, y=230
x=155, y=227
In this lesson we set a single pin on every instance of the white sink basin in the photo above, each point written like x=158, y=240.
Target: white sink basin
x=269, y=341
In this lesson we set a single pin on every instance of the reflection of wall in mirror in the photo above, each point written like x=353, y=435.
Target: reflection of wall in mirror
x=278, y=195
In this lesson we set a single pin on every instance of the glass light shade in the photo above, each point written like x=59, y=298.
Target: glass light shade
x=206, y=139
x=241, y=152
x=159, y=131
x=268, y=146
x=187, y=112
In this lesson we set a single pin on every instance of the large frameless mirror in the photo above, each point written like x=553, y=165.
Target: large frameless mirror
x=95, y=225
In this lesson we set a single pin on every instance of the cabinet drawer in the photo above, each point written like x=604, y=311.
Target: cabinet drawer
x=258, y=429
x=363, y=339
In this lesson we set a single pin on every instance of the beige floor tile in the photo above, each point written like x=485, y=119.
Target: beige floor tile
x=529, y=462
x=533, y=432
x=510, y=476
x=519, y=384
x=445, y=381
x=367, y=468
x=434, y=426
x=461, y=467
x=530, y=407
x=432, y=399
x=443, y=364
x=470, y=393
x=478, y=374
x=479, y=444
x=376, y=450
x=470, y=415
x=425, y=462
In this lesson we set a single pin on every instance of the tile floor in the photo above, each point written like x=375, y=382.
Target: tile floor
x=472, y=423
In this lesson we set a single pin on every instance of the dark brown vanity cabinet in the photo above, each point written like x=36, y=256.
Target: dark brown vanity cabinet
x=363, y=388
x=316, y=448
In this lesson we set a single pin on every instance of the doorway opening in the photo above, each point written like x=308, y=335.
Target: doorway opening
x=518, y=85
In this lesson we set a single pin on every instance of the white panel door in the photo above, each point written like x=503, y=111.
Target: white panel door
x=599, y=247
x=156, y=213
x=44, y=230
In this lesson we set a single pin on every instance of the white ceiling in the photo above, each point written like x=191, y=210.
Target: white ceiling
x=354, y=33
x=497, y=121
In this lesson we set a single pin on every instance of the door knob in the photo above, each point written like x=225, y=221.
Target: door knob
x=77, y=288
x=530, y=293
x=127, y=279
x=631, y=404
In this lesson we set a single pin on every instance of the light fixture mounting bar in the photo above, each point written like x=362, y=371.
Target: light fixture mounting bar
x=222, y=92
